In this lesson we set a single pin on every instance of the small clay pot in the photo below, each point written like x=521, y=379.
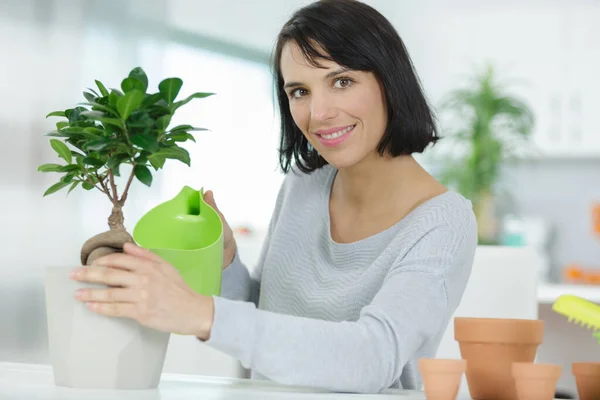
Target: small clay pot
x=587, y=378
x=491, y=346
x=441, y=377
x=535, y=381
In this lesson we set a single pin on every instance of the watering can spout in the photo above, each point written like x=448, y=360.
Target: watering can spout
x=190, y=201
x=185, y=222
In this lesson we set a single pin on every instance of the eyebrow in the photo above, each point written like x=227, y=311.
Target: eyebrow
x=328, y=76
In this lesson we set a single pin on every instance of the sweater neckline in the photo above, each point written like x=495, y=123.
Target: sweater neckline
x=390, y=231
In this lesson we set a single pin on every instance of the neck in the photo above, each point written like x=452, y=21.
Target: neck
x=378, y=180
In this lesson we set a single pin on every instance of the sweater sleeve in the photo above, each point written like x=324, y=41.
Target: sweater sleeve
x=419, y=295
x=237, y=282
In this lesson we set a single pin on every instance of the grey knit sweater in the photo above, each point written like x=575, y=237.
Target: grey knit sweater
x=345, y=317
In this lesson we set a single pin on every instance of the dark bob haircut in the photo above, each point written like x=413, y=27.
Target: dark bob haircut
x=357, y=37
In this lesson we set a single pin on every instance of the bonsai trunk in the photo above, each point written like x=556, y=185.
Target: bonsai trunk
x=108, y=242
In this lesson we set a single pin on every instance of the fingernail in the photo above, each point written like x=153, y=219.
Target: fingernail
x=78, y=293
x=74, y=274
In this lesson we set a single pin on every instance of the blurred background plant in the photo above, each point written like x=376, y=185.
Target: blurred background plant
x=487, y=126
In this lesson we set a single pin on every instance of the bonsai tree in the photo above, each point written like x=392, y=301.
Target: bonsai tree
x=112, y=131
x=491, y=124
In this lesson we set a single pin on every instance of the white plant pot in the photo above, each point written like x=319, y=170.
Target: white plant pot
x=89, y=350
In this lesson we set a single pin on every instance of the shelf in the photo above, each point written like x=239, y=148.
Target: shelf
x=549, y=292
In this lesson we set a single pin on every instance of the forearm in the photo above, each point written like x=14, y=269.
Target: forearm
x=359, y=357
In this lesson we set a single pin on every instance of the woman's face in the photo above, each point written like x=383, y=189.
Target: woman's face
x=341, y=112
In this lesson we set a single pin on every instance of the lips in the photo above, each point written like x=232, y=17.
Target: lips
x=335, y=136
x=330, y=133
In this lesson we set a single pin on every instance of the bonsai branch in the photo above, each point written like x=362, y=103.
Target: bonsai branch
x=126, y=190
x=105, y=187
x=89, y=180
x=113, y=186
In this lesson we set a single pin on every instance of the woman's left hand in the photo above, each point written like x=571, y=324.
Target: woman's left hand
x=146, y=289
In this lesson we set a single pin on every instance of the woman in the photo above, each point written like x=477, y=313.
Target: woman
x=367, y=255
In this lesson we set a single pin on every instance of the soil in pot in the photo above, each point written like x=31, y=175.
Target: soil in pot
x=441, y=377
x=587, y=378
x=491, y=346
x=535, y=381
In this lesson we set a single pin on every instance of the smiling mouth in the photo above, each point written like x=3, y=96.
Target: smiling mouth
x=337, y=134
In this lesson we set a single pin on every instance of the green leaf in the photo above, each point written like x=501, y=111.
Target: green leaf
x=94, y=131
x=56, y=114
x=143, y=174
x=185, y=128
x=102, y=88
x=68, y=178
x=190, y=98
x=174, y=152
x=129, y=103
x=146, y=142
x=62, y=124
x=157, y=161
x=93, y=161
x=73, y=186
x=152, y=99
x=96, y=145
x=170, y=88
x=62, y=150
x=87, y=186
x=75, y=114
x=182, y=137
x=111, y=121
x=89, y=97
x=131, y=84
x=163, y=122
x=55, y=188
x=139, y=74
x=57, y=134
x=102, y=118
x=116, y=171
x=49, y=168
x=93, y=114
x=100, y=107
x=93, y=92
x=70, y=168
x=113, y=98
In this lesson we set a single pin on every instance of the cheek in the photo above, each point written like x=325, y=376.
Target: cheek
x=300, y=115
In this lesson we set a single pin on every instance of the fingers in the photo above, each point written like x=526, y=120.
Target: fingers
x=209, y=198
x=122, y=310
x=135, y=250
x=112, y=295
x=123, y=261
x=108, y=276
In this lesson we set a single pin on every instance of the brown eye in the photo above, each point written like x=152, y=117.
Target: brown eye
x=298, y=93
x=342, y=83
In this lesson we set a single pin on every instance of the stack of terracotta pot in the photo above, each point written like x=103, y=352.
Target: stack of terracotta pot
x=498, y=359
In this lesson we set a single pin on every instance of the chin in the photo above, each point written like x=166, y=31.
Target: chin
x=342, y=159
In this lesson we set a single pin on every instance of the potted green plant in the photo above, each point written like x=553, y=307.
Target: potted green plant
x=106, y=143
x=487, y=124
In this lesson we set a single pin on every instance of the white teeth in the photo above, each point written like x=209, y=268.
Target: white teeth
x=337, y=134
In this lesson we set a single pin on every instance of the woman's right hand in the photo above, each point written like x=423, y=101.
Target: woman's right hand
x=229, y=244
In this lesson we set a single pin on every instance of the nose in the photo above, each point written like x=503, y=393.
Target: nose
x=322, y=108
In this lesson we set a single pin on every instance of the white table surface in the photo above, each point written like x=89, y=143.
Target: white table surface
x=35, y=382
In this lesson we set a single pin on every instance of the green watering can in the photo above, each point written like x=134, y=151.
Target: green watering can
x=187, y=233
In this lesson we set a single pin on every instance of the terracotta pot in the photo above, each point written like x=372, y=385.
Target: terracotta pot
x=535, y=381
x=491, y=346
x=441, y=377
x=587, y=378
